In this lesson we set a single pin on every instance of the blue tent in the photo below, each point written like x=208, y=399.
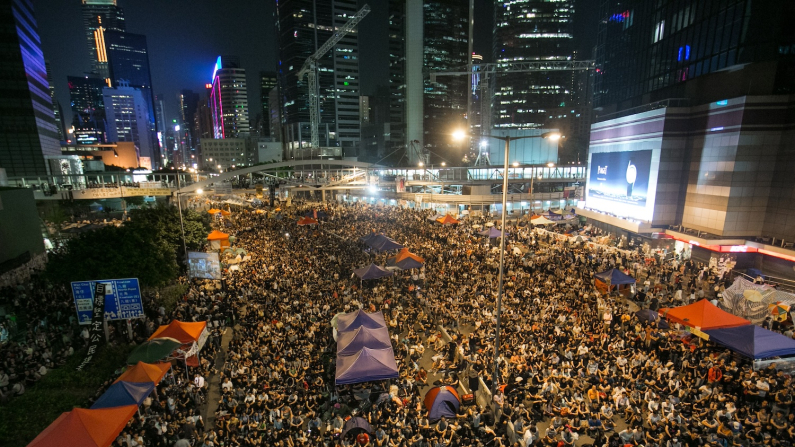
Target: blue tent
x=352, y=341
x=614, y=277
x=366, y=366
x=372, y=271
x=753, y=341
x=354, y=320
x=383, y=243
x=491, y=233
x=124, y=393
x=441, y=401
x=650, y=316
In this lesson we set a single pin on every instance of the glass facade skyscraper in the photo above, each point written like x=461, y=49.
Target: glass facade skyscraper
x=532, y=30
x=99, y=17
x=268, y=81
x=229, y=99
x=445, y=39
x=646, y=50
x=302, y=27
x=88, y=108
x=27, y=125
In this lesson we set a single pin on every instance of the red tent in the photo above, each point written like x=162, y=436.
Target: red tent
x=184, y=332
x=85, y=428
x=703, y=315
x=145, y=372
x=447, y=220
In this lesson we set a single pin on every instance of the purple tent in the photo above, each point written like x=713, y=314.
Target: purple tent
x=753, y=341
x=372, y=271
x=354, y=320
x=351, y=342
x=124, y=393
x=491, y=233
x=354, y=425
x=369, y=237
x=404, y=264
x=367, y=365
x=385, y=244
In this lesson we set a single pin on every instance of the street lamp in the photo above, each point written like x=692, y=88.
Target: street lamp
x=460, y=135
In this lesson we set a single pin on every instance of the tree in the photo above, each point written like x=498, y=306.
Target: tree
x=115, y=252
x=163, y=223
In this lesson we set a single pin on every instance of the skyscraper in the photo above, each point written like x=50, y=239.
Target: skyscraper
x=88, y=108
x=56, y=105
x=303, y=26
x=268, y=82
x=160, y=123
x=532, y=30
x=100, y=16
x=440, y=28
x=229, y=99
x=128, y=120
x=27, y=125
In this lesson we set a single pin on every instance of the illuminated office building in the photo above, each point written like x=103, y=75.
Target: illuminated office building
x=127, y=114
x=303, y=26
x=100, y=16
x=268, y=82
x=532, y=30
x=229, y=99
x=27, y=125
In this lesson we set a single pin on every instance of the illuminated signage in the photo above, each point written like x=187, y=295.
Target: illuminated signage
x=621, y=183
x=208, y=86
x=217, y=67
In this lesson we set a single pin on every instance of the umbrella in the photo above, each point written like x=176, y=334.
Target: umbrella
x=650, y=316
x=779, y=310
x=241, y=251
x=229, y=250
x=153, y=350
x=124, y=393
x=477, y=226
x=355, y=425
x=335, y=319
x=752, y=295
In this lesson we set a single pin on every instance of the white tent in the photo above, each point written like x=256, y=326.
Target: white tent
x=542, y=221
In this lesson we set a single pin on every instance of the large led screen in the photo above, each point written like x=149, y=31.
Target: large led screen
x=204, y=265
x=619, y=183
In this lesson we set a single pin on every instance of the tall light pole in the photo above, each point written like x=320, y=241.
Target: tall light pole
x=460, y=134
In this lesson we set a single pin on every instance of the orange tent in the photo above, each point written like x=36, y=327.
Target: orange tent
x=447, y=220
x=225, y=213
x=85, y=428
x=184, y=332
x=213, y=211
x=703, y=315
x=307, y=221
x=404, y=254
x=218, y=239
x=145, y=372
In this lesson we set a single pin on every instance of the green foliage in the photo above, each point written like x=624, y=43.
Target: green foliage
x=62, y=389
x=115, y=252
x=170, y=296
x=163, y=222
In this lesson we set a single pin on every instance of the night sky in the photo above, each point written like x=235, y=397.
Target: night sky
x=186, y=36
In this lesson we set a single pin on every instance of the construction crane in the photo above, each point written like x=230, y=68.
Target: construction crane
x=310, y=69
x=488, y=71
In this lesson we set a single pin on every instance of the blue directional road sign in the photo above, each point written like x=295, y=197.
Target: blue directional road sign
x=122, y=299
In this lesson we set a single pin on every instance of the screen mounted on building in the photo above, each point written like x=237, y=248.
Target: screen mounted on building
x=618, y=183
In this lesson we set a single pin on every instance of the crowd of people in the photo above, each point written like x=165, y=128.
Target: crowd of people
x=576, y=365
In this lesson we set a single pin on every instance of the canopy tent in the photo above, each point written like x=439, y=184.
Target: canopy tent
x=383, y=243
x=153, y=350
x=649, y=315
x=213, y=211
x=367, y=365
x=368, y=237
x=225, y=213
x=405, y=260
x=447, y=220
x=351, y=342
x=442, y=401
x=124, y=393
x=541, y=221
x=491, y=233
x=85, y=428
x=703, y=315
x=372, y=271
x=218, y=240
x=355, y=425
x=188, y=333
x=435, y=217
x=614, y=277
x=360, y=318
x=753, y=341
x=145, y=372
x=307, y=221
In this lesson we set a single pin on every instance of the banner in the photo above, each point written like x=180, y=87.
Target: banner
x=95, y=333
